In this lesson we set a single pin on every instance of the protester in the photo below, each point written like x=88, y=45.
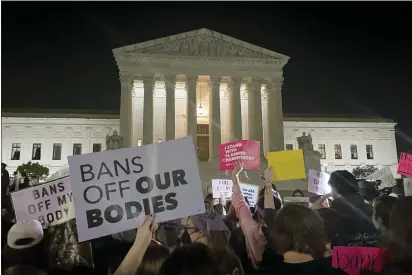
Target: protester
x=300, y=237
x=382, y=209
x=298, y=193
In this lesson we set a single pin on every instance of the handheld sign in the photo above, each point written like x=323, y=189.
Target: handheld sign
x=407, y=186
x=50, y=203
x=251, y=192
x=385, y=176
x=208, y=222
x=353, y=259
x=222, y=188
x=247, y=151
x=298, y=200
x=116, y=189
x=318, y=182
x=405, y=165
x=287, y=165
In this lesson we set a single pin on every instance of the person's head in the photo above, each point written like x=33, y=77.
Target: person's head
x=300, y=229
x=209, y=201
x=15, y=173
x=343, y=183
x=195, y=258
x=153, y=259
x=3, y=166
x=227, y=262
x=331, y=221
x=298, y=193
x=23, y=174
x=382, y=210
x=25, y=244
x=400, y=225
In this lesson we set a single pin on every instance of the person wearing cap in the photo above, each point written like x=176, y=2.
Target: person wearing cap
x=25, y=246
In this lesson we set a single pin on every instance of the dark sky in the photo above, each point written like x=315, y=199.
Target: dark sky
x=346, y=57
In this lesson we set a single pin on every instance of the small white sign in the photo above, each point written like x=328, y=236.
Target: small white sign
x=222, y=188
x=318, y=182
x=114, y=190
x=50, y=203
x=407, y=186
x=298, y=200
x=385, y=176
x=251, y=192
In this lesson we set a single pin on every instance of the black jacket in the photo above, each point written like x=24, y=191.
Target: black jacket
x=357, y=226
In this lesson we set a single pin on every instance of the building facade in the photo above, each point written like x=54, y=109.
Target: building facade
x=48, y=138
x=203, y=84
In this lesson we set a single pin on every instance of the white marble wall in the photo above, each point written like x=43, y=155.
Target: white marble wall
x=88, y=131
x=47, y=131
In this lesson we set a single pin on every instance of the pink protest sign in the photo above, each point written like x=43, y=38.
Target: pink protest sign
x=247, y=151
x=405, y=165
x=353, y=259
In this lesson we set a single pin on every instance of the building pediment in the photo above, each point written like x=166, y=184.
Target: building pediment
x=202, y=43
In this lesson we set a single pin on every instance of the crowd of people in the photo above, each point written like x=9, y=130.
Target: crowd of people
x=271, y=237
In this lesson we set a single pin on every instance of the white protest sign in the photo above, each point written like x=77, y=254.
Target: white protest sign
x=318, y=182
x=298, y=200
x=50, y=203
x=385, y=176
x=251, y=192
x=222, y=188
x=114, y=190
x=407, y=186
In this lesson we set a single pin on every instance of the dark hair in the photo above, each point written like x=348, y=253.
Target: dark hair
x=332, y=222
x=298, y=191
x=153, y=259
x=195, y=258
x=382, y=209
x=299, y=228
x=399, y=250
x=344, y=182
x=227, y=261
x=34, y=256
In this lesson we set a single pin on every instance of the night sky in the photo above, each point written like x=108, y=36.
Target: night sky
x=346, y=57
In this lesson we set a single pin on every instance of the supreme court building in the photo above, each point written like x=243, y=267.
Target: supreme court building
x=204, y=84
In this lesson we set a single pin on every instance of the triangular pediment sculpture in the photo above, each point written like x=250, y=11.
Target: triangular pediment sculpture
x=201, y=43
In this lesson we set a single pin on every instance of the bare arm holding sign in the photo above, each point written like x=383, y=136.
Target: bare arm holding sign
x=134, y=257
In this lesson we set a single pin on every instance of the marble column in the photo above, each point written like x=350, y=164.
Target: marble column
x=126, y=109
x=275, y=115
x=235, y=113
x=191, y=112
x=215, y=134
x=170, y=86
x=255, y=112
x=148, y=86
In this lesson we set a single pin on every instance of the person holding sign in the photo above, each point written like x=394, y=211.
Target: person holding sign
x=254, y=236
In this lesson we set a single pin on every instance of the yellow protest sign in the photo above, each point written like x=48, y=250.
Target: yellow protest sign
x=287, y=165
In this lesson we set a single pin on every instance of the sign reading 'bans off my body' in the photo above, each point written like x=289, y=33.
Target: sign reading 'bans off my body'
x=246, y=151
x=50, y=203
x=116, y=189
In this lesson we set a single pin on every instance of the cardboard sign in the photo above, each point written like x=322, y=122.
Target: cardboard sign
x=222, y=189
x=251, y=192
x=405, y=165
x=298, y=200
x=353, y=259
x=50, y=203
x=385, y=176
x=407, y=186
x=287, y=165
x=247, y=151
x=318, y=182
x=115, y=190
x=210, y=222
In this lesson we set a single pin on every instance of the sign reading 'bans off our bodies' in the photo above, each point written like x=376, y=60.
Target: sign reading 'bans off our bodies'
x=246, y=151
x=50, y=203
x=116, y=189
